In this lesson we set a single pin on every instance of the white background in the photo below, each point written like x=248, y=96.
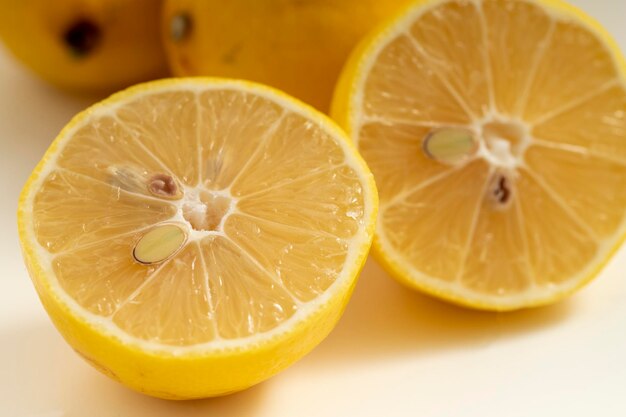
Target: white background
x=394, y=353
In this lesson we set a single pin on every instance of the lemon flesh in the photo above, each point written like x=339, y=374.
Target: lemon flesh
x=538, y=206
x=193, y=237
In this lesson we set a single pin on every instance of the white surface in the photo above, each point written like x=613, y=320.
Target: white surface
x=394, y=353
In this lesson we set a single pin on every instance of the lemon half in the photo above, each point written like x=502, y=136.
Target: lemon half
x=193, y=237
x=496, y=131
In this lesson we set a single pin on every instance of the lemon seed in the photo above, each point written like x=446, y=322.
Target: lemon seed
x=159, y=244
x=164, y=185
x=450, y=145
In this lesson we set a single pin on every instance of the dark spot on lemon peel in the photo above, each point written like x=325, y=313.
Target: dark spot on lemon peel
x=180, y=26
x=82, y=37
x=230, y=56
x=186, y=66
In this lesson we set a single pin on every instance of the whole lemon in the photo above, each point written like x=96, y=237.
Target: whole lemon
x=86, y=45
x=298, y=46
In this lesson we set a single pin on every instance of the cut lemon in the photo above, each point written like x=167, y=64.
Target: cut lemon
x=193, y=237
x=496, y=131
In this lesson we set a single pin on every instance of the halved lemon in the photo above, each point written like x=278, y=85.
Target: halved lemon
x=496, y=131
x=193, y=237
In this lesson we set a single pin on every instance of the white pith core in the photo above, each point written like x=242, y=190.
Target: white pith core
x=203, y=211
x=502, y=141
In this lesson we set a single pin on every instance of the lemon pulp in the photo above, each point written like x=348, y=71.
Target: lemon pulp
x=273, y=211
x=538, y=206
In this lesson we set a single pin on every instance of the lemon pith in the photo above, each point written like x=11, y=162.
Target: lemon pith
x=157, y=359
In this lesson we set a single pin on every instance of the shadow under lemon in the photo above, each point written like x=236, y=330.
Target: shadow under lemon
x=41, y=376
x=387, y=320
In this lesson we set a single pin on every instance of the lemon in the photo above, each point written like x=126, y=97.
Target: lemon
x=193, y=237
x=496, y=131
x=297, y=46
x=86, y=45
